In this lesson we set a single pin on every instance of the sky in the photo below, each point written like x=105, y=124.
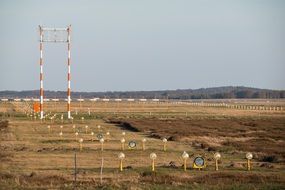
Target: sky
x=144, y=45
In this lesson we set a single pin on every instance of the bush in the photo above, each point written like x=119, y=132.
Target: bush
x=270, y=158
x=3, y=125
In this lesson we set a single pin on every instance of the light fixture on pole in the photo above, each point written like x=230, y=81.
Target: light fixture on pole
x=102, y=144
x=152, y=157
x=217, y=156
x=80, y=144
x=123, y=143
x=121, y=157
x=185, y=156
x=143, y=143
x=248, y=156
x=164, y=140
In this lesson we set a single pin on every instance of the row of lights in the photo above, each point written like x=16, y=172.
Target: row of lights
x=164, y=140
x=185, y=156
x=153, y=156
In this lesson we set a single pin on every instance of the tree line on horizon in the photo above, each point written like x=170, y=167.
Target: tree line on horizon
x=228, y=92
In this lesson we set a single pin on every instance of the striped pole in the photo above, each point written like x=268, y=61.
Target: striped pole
x=41, y=74
x=68, y=75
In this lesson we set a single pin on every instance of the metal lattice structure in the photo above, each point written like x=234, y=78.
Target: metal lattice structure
x=54, y=35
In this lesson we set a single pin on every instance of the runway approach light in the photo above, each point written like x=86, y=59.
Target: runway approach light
x=80, y=144
x=123, y=143
x=164, y=140
x=102, y=144
x=121, y=157
x=199, y=163
x=248, y=156
x=143, y=143
x=185, y=156
x=217, y=156
x=152, y=156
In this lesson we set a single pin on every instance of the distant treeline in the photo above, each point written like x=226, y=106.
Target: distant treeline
x=202, y=93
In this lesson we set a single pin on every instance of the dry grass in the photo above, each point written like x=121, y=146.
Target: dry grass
x=33, y=158
x=264, y=136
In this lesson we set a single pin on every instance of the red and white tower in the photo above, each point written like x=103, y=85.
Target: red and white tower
x=55, y=35
x=68, y=75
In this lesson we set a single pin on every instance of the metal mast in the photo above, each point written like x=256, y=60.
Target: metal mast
x=55, y=35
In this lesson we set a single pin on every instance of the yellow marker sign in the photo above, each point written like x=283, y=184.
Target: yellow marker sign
x=199, y=163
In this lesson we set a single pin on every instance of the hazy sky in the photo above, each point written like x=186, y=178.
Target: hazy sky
x=145, y=45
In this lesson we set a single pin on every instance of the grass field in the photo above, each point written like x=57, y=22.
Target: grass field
x=34, y=158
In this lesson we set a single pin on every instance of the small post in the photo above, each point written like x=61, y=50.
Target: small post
x=80, y=144
x=217, y=156
x=248, y=156
x=101, y=171
x=152, y=157
x=75, y=169
x=48, y=128
x=185, y=156
x=102, y=144
x=123, y=143
x=143, y=143
x=121, y=157
x=164, y=140
x=86, y=129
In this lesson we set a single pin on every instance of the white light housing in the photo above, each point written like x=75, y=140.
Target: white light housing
x=185, y=155
x=153, y=156
x=217, y=156
x=249, y=156
x=121, y=156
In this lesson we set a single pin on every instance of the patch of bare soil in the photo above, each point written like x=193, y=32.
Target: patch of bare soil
x=263, y=136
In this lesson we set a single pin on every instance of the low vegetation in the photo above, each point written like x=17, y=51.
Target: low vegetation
x=32, y=157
